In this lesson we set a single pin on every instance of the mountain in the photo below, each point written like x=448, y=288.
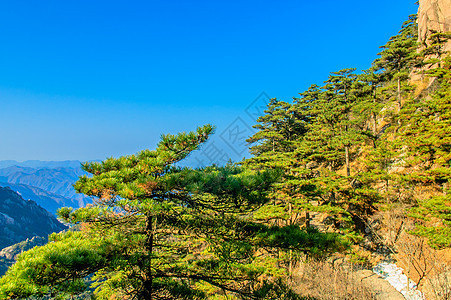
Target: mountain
x=56, y=181
x=38, y=164
x=48, y=200
x=21, y=219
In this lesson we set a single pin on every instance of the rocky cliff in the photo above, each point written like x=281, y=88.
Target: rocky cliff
x=433, y=15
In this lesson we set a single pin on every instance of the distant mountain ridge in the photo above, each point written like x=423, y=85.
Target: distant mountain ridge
x=41, y=164
x=58, y=180
x=48, y=200
x=50, y=184
x=26, y=223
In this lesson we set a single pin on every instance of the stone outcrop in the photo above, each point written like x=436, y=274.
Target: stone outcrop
x=380, y=288
x=433, y=15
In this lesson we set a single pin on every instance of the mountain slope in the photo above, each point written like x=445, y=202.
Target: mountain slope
x=21, y=219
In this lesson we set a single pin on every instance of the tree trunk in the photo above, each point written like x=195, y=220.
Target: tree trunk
x=146, y=293
x=374, y=120
x=399, y=93
x=374, y=130
x=332, y=193
x=290, y=266
x=348, y=168
x=290, y=214
x=374, y=124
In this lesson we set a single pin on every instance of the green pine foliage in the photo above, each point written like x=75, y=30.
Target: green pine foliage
x=356, y=153
x=435, y=49
x=156, y=231
x=426, y=136
x=272, y=146
x=311, y=159
x=398, y=57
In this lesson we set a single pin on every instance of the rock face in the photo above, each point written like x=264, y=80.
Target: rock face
x=380, y=288
x=21, y=219
x=433, y=15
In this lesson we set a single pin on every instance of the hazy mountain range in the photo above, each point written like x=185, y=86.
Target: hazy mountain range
x=23, y=225
x=49, y=184
x=40, y=164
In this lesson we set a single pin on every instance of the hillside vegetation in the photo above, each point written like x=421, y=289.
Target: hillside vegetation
x=365, y=142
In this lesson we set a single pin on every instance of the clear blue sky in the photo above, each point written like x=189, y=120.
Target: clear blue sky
x=92, y=79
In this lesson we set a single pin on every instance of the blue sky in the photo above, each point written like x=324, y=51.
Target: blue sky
x=93, y=79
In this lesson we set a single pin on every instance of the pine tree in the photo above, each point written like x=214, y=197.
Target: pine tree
x=425, y=146
x=342, y=82
x=399, y=55
x=276, y=129
x=370, y=101
x=435, y=48
x=310, y=182
x=156, y=231
x=272, y=146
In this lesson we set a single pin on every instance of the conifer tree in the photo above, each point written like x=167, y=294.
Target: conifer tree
x=281, y=120
x=156, y=231
x=310, y=167
x=276, y=129
x=369, y=104
x=375, y=175
x=323, y=137
x=297, y=187
x=435, y=50
x=399, y=55
x=425, y=146
x=272, y=146
x=341, y=82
